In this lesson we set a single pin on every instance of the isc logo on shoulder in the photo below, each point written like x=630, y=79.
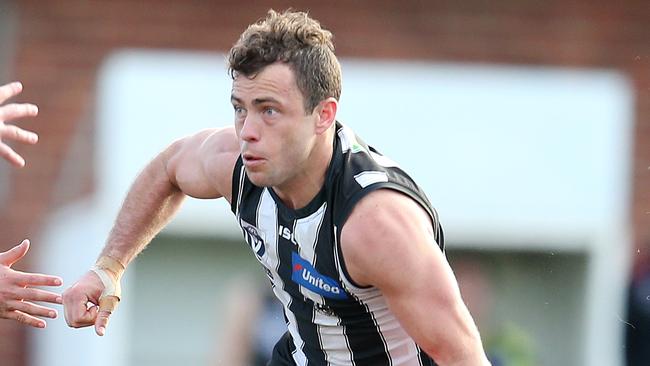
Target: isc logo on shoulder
x=306, y=276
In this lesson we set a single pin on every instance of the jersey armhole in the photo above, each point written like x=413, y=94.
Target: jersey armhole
x=344, y=214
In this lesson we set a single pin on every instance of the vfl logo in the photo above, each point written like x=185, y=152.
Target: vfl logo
x=253, y=237
x=306, y=276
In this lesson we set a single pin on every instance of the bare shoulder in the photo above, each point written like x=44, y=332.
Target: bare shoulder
x=220, y=151
x=202, y=164
x=219, y=141
x=385, y=231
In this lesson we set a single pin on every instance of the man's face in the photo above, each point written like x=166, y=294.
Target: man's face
x=275, y=134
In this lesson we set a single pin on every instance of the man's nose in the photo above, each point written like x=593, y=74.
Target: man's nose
x=250, y=128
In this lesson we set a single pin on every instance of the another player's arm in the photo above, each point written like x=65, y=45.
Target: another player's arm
x=199, y=166
x=388, y=242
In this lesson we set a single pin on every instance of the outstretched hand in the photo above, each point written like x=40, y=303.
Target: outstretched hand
x=12, y=112
x=17, y=294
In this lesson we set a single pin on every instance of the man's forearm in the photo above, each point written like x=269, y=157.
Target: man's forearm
x=149, y=205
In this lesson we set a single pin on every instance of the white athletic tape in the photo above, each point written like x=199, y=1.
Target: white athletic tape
x=110, y=272
x=111, y=286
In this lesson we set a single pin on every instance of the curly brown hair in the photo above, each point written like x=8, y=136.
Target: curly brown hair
x=297, y=40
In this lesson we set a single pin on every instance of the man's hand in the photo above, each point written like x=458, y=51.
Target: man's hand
x=12, y=112
x=86, y=303
x=16, y=293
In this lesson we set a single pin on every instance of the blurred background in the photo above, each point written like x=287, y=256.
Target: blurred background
x=527, y=123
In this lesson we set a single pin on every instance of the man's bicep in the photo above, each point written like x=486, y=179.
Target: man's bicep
x=402, y=257
x=425, y=299
x=423, y=293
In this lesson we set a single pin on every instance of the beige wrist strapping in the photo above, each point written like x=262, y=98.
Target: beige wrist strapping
x=109, y=272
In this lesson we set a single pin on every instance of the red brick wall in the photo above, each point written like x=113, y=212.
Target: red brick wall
x=61, y=44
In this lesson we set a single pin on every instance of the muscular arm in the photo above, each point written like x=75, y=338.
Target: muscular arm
x=388, y=242
x=199, y=166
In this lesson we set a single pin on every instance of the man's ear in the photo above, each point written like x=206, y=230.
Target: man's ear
x=326, y=110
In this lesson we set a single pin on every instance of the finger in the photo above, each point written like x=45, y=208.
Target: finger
x=9, y=90
x=15, y=111
x=86, y=318
x=12, y=255
x=107, y=305
x=79, y=315
x=36, y=279
x=75, y=309
x=11, y=156
x=16, y=133
x=33, y=294
x=102, y=322
x=26, y=319
x=32, y=309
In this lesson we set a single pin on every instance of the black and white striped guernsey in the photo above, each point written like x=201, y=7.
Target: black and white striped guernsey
x=331, y=320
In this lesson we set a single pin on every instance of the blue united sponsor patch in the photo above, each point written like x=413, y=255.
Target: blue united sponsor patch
x=306, y=276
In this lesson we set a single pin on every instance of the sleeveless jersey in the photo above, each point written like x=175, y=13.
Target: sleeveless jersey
x=331, y=320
